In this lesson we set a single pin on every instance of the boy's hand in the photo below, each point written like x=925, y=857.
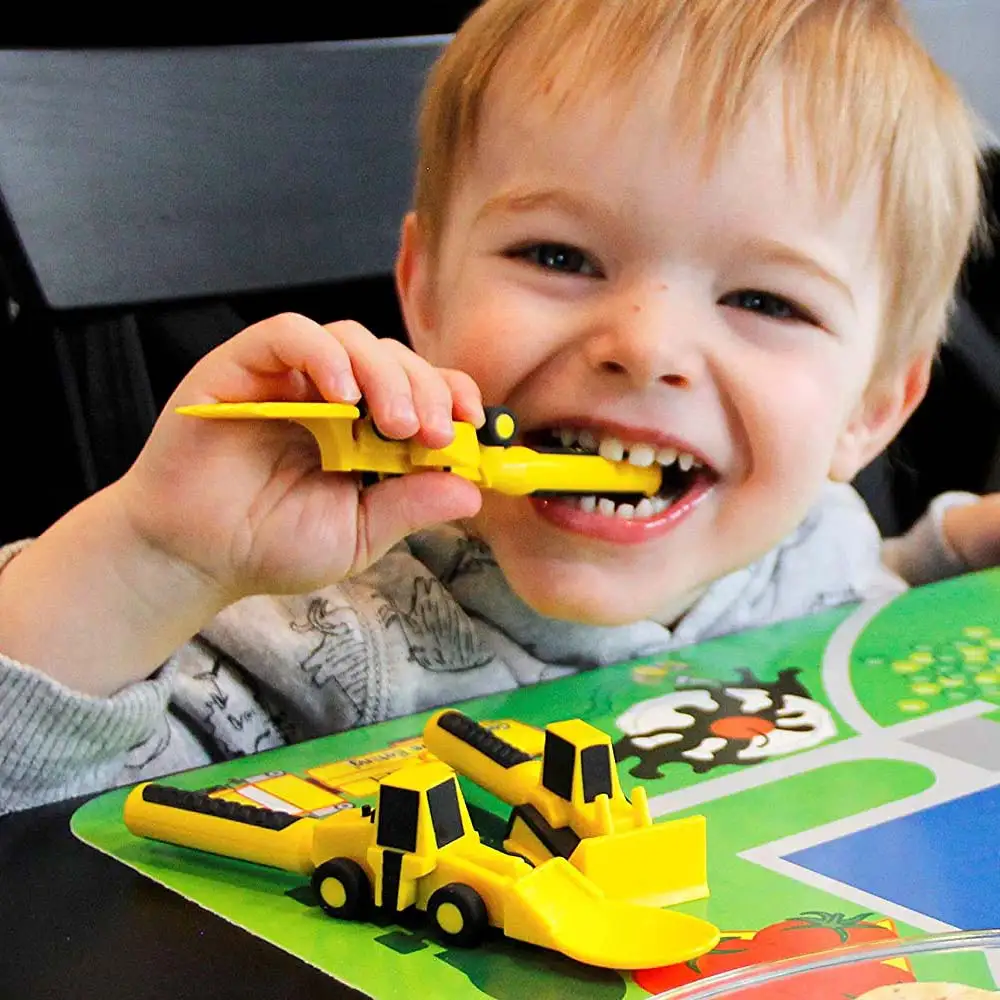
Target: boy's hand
x=246, y=505
x=973, y=531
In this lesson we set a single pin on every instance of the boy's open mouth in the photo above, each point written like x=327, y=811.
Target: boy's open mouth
x=682, y=472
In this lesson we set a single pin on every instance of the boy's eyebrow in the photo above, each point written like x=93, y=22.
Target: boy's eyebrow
x=531, y=199
x=774, y=252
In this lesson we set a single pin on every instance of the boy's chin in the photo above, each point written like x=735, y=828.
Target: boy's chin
x=586, y=596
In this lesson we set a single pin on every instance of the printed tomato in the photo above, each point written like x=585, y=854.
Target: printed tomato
x=729, y=953
x=803, y=935
x=815, y=931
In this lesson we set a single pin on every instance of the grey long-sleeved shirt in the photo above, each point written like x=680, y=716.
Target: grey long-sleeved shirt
x=431, y=623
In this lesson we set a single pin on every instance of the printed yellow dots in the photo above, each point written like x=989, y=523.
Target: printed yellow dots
x=975, y=654
x=931, y=676
x=977, y=632
x=653, y=673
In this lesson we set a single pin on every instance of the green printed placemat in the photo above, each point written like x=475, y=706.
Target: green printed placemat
x=805, y=746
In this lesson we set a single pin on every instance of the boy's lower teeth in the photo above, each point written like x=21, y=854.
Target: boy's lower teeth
x=646, y=508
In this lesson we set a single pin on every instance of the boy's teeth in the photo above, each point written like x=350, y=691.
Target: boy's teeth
x=611, y=449
x=642, y=455
x=606, y=507
x=616, y=450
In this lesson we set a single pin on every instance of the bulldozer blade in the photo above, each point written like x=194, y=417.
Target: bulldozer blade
x=556, y=907
x=658, y=865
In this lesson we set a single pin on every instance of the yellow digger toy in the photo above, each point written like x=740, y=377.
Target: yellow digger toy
x=417, y=848
x=568, y=803
x=350, y=442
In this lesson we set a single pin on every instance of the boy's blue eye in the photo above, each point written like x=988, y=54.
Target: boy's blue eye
x=767, y=304
x=557, y=257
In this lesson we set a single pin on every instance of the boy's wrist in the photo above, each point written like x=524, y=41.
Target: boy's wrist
x=970, y=526
x=95, y=605
x=161, y=578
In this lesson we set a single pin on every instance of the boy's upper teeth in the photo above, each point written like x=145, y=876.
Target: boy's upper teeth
x=636, y=453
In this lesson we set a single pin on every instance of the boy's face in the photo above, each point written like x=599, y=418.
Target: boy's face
x=592, y=277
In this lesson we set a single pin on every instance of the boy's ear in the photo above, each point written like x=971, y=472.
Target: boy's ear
x=414, y=283
x=878, y=418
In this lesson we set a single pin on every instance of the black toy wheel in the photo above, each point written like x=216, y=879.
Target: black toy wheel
x=500, y=427
x=362, y=405
x=459, y=914
x=343, y=889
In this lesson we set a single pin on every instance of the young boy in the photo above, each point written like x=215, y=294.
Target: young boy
x=716, y=234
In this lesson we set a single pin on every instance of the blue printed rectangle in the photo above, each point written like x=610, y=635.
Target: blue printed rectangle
x=943, y=861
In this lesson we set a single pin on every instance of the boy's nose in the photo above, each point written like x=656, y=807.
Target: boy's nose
x=645, y=344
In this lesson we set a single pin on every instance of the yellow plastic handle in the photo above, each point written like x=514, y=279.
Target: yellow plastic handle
x=511, y=469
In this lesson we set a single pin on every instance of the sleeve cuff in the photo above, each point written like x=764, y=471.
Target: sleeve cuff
x=923, y=554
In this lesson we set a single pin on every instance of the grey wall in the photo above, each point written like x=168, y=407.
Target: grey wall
x=964, y=37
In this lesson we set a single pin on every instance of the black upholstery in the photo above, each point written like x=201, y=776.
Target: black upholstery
x=154, y=201
x=953, y=440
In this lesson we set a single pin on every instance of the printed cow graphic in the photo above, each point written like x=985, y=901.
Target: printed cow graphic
x=707, y=725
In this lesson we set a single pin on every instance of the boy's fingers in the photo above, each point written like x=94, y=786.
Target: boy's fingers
x=395, y=508
x=291, y=357
x=467, y=400
x=284, y=357
x=382, y=378
x=431, y=395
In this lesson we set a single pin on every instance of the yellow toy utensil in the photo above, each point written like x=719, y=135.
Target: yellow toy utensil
x=567, y=802
x=416, y=848
x=350, y=442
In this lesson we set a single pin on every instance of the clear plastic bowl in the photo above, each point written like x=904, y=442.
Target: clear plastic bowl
x=968, y=958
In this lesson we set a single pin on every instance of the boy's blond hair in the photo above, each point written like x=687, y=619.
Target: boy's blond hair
x=867, y=93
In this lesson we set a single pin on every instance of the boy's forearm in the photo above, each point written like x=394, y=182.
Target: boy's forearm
x=94, y=606
x=973, y=531
x=929, y=551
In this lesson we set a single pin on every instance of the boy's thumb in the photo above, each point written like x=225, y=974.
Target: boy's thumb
x=397, y=507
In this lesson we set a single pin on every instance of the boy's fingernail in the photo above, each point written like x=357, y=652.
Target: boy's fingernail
x=441, y=421
x=401, y=409
x=347, y=388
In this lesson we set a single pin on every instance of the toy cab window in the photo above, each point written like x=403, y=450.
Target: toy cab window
x=557, y=766
x=397, y=818
x=445, y=813
x=595, y=763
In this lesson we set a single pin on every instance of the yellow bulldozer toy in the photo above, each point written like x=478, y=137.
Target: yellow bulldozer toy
x=417, y=848
x=350, y=442
x=568, y=803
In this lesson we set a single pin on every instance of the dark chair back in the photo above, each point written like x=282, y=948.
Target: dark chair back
x=144, y=191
